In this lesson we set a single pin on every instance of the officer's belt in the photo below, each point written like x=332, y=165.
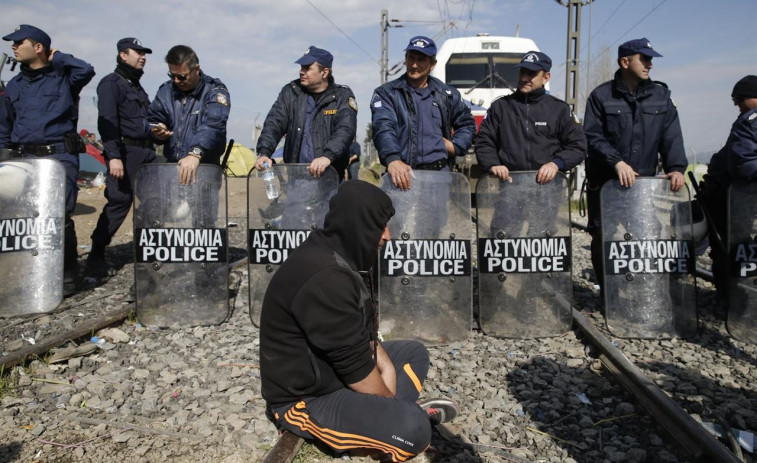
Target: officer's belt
x=140, y=142
x=436, y=165
x=43, y=150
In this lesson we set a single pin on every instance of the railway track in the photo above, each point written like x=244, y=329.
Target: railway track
x=687, y=432
x=477, y=381
x=700, y=444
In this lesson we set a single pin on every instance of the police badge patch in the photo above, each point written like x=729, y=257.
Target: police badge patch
x=221, y=99
x=353, y=104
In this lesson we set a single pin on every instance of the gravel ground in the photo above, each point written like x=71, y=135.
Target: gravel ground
x=193, y=395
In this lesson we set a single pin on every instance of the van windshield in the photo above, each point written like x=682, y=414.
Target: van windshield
x=483, y=70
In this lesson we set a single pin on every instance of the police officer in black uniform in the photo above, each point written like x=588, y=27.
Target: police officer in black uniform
x=38, y=116
x=122, y=104
x=530, y=129
x=318, y=117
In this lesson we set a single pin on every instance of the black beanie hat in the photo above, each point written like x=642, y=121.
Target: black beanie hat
x=745, y=88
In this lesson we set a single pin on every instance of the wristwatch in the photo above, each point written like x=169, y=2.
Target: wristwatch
x=196, y=152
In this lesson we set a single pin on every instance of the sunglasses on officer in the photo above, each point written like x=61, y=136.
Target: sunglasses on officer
x=179, y=77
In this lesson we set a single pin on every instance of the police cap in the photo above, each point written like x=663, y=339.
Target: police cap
x=423, y=45
x=314, y=54
x=535, y=61
x=637, y=46
x=25, y=31
x=134, y=44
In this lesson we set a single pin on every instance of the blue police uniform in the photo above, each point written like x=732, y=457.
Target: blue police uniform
x=197, y=119
x=736, y=161
x=353, y=168
x=634, y=127
x=122, y=106
x=397, y=127
x=38, y=116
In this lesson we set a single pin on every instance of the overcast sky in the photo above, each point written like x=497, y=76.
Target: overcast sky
x=251, y=44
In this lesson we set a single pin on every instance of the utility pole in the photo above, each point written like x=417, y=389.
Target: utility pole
x=384, y=46
x=386, y=23
x=573, y=46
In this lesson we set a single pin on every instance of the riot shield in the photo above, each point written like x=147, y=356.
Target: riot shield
x=648, y=258
x=181, y=247
x=278, y=226
x=425, y=281
x=742, y=239
x=32, y=216
x=524, y=256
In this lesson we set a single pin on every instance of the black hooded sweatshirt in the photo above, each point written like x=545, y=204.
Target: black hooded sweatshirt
x=317, y=319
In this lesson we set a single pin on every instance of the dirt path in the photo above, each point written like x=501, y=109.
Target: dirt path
x=88, y=208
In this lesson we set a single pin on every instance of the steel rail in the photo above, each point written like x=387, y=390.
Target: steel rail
x=679, y=424
x=285, y=450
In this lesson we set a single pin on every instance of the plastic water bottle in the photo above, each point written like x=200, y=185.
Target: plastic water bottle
x=99, y=180
x=271, y=189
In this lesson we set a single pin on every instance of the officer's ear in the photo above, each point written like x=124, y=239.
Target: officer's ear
x=39, y=48
x=624, y=62
x=547, y=75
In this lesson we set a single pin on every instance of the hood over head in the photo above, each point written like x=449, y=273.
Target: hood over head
x=358, y=214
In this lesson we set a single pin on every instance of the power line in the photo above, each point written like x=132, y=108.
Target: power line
x=609, y=47
x=441, y=13
x=343, y=33
x=637, y=23
x=607, y=20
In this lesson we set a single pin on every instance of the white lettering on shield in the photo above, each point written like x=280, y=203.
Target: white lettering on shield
x=525, y=255
x=746, y=259
x=273, y=246
x=28, y=234
x=426, y=258
x=647, y=256
x=180, y=245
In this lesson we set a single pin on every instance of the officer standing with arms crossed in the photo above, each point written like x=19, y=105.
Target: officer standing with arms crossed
x=317, y=116
x=38, y=116
x=190, y=111
x=629, y=122
x=122, y=106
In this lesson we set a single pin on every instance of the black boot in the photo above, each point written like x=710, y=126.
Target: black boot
x=70, y=259
x=96, y=263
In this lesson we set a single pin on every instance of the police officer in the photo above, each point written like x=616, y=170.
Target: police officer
x=122, y=106
x=419, y=122
x=630, y=122
x=318, y=117
x=38, y=117
x=353, y=167
x=530, y=130
x=190, y=113
x=736, y=161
